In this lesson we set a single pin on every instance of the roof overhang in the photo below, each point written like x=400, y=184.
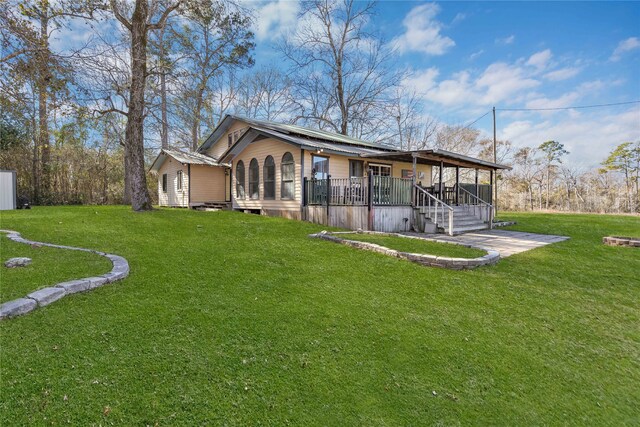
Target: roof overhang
x=184, y=158
x=437, y=158
x=256, y=133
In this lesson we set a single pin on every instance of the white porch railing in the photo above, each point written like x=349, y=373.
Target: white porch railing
x=434, y=205
x=484, y=209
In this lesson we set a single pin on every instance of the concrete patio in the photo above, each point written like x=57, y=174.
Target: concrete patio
x=505, y=242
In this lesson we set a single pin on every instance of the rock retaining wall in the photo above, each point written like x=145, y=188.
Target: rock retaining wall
x=46, y=296
x=490, y=258
x=621, y=241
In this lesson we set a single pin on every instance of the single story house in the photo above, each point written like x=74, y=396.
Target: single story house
x=306, y=174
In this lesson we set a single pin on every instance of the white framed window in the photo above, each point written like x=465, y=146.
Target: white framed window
x=240, y=180
x=179, y=180
x=233, y=137
x=269, y=178
x=287, y=177
x=380, y=169
x=254, y=179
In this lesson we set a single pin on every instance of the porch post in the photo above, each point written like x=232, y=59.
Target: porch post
x=413, y=155
x=457, y=184
x=441, y=188
x=491, y=184
x=477, y=195
x=413, y=180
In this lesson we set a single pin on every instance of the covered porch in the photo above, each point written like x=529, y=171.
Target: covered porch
x=385, y=203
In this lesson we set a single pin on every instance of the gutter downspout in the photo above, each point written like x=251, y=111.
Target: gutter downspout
x=189, y=185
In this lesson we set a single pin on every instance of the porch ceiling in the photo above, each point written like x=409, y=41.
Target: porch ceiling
x=435, y=157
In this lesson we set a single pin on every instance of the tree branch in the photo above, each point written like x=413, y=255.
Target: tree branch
x=158, y=25
x=119, y=16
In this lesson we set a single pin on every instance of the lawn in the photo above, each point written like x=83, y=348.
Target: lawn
x=49, y=266
x=418, y=246
x=236, y=319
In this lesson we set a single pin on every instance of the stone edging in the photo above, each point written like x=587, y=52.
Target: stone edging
x=46, y=296
x=621, y=241
x=490, y=258
x=503, y=224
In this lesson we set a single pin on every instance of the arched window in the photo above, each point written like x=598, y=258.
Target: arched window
x=288, y=174
x=254, y=179
x=269, y=178
x=240, y=180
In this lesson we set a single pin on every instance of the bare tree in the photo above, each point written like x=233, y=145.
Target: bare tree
x=341, y=73
x=139, y=25
x=265, y=94
x=214, y=37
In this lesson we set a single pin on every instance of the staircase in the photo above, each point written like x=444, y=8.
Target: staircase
x=432, y=215
x=464, y=220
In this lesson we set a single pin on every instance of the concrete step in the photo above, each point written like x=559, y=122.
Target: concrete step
x=466, y=229
x=456, y=218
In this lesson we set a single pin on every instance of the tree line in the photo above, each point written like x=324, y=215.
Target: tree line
x=82, y=120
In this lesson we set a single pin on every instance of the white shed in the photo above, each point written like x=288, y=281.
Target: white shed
x=8, y=190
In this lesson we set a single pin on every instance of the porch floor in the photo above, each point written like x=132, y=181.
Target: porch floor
x=505, y=242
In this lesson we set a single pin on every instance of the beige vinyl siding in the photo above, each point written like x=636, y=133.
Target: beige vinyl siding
x=260, y=150
x=173, y=197
x=339, y=166
x=207, y=184
x=221, y=145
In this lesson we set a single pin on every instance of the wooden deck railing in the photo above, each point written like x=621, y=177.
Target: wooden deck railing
x=390, y=191
x=380, y=190
x=337, y=192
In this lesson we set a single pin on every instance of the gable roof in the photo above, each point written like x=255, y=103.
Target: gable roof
x=187, y=158
x=287, y=129
x=255, y=133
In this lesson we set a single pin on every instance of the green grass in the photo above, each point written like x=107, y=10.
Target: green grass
x=49, y=266
x=404, y=244
x=239, y=319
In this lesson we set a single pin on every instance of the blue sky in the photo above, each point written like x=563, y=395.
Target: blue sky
x=466, y=57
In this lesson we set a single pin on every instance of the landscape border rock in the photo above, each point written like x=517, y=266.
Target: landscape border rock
x=621, y=241
x=46, y=296
x=491, y=258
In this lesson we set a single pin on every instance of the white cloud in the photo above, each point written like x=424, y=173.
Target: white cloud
x=421, y=81
x=562, y=74
x=422, y=32
x=506, y=40
x=563, y=101
x=499, y=82
x=588, y=138
x=502, y=82
x=624, y=46
x=474, y=55
x=458, y=18
x=540, y=60
x=276, y=18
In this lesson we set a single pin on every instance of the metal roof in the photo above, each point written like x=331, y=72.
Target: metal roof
x=187, y=158
x=435, y=157
x=288, y=129
x=309, y=144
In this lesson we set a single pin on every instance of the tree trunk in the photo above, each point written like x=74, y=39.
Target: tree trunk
x=548, y=182
x=42, y=85
x=164, y=131
x=134, y=132
x=197, y=114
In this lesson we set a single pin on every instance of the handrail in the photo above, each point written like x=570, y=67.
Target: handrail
x=439, y=203
x=489, y=206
